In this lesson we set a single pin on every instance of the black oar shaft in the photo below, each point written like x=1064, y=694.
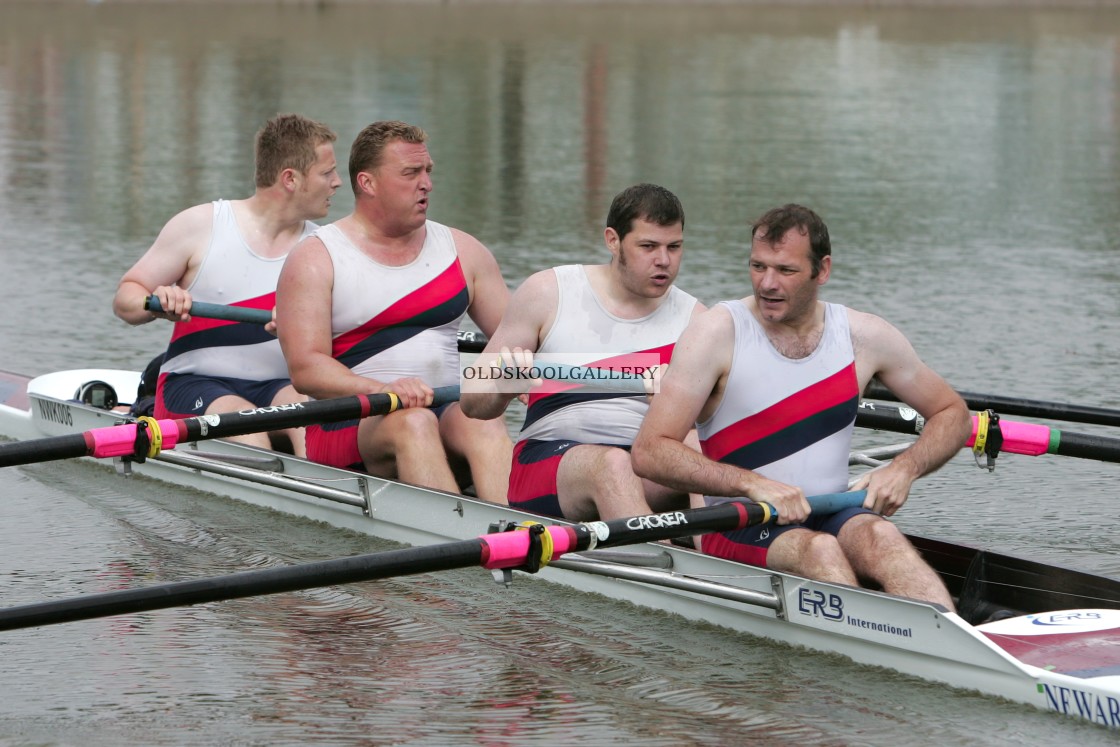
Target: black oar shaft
x=250, y=583
x=1020, y=406
x=486, y=551
x=113, y=441
x=881, y=417
x=721, y=517
x=1101, y=448
x=44, y=450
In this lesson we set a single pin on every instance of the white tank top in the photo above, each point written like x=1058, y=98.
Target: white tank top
x=230, y=273
x=393, y=322
x=790, y=420
x=584, y=327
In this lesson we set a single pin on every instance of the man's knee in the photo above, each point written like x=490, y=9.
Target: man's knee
x=881, y=536
x=614, y=468
x=822, y=549
x=411, y=426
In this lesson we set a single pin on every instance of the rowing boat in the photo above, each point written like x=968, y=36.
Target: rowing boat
x=1025, y=631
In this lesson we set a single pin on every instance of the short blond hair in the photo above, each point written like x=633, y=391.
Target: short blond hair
x=288, y=141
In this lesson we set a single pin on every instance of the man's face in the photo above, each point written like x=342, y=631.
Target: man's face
x=649, y=257
x=781, y=275
x=402, y=182
x=318, y=185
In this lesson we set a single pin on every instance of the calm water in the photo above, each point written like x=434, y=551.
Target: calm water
x=966, y=163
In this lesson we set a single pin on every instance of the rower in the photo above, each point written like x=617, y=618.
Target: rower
x=372, y=303
x=572, y=457
x=774, y=381
x=231, y=251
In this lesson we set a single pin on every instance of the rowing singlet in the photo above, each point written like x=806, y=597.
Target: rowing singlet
x=393, y=322
x=790, y=420
x=583, y=326
x=231, y=273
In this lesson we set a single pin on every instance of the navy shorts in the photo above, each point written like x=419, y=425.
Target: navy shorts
x=188, y=395
x=751, y=544
x=532, y=476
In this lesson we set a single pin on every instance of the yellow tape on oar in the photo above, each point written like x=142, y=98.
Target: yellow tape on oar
x=394, y=401
x=540, y=536
x=768, y=512
x=155, y=439
x=982, y=421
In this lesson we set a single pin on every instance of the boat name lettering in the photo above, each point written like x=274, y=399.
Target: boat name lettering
x=1065, y=618
x=656, y=521
x=816, y=603
x=272, y=408
x=1100, y=709
x=56, y=412
x=881, y=627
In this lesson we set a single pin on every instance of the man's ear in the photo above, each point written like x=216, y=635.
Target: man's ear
x=611, y=239
x=825, y=271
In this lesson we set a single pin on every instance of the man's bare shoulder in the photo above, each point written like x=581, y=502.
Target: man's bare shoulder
x=468, y=246
x=540, y=286
x=179, y=248
x=868, y=328
x=310, y=249
x=715, y=318
x=708, y=329
x=192, y=220
x=698, y=307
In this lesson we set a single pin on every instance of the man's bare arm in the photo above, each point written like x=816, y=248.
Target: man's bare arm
x=489, y=293
x=690, y=391
x=167, y=268
x=883, y=351
x=528, y=316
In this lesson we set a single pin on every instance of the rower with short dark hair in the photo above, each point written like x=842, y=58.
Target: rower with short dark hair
x=372, y=303
x=772, y=382
x=572, y=457
x=231, y=252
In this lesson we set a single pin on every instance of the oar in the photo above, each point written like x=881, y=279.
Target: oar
x=469, y=342
x=1017, y=437
x=147, y=436
x=1028, y=408
x=529, y=547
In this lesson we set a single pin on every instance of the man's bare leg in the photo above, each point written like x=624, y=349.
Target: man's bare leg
x=878, y=551
x=406, y=445
x=486, y=446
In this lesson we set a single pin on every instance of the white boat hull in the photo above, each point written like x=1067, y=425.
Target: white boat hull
x=871, y=628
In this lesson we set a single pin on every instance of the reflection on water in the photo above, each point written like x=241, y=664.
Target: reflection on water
x=966, y=162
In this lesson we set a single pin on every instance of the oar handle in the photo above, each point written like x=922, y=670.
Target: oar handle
x=216, y=311
x=469, y=342
x=831, y=503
